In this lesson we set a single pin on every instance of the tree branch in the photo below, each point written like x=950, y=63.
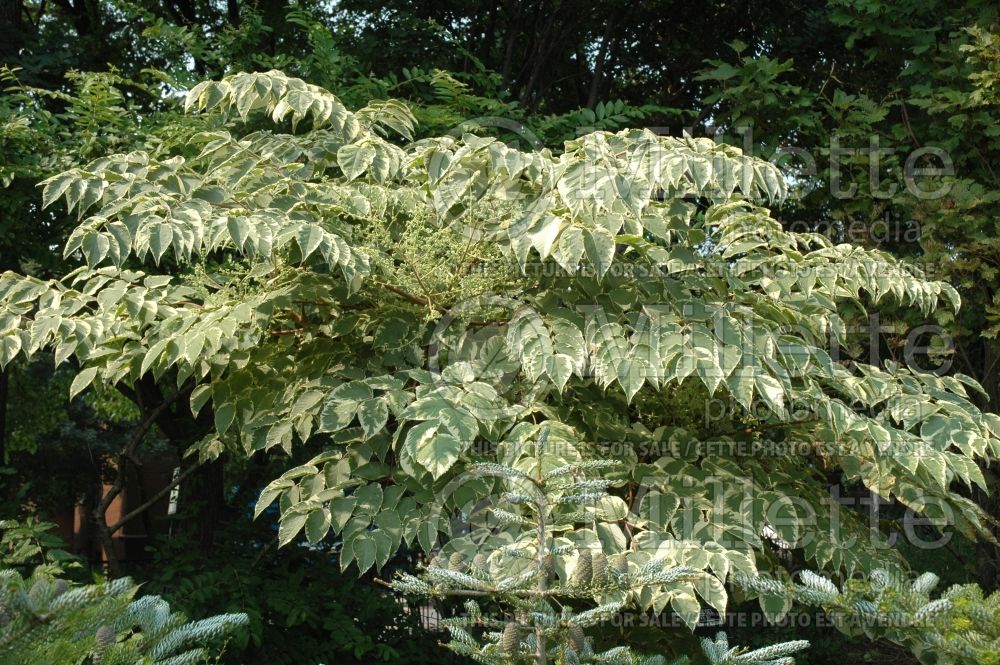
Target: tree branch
x=540, y=555
x=100, y=512
x=602, y=58
x=156, y=497
x=407, y=296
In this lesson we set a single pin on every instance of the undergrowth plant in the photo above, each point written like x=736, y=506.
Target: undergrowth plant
x=46, y=619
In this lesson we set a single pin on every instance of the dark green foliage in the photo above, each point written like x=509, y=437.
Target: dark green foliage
x=28, y=544
x=44, y=618
x=47, y=620
x=301, y=608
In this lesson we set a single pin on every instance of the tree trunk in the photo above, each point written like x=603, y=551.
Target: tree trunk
x=204, y=491
x=543, y=46
x=233, y=12
x=987, y=554
x=10, y=13
x=4, y=392
x=207, y=500
x=602, y=54
x=12, y=33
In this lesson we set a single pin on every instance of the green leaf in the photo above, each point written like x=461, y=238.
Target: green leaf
x=239, y=231
x=559, y=368
x=199, y=397
x=544, y=235
x=365, y=551
x=224, y=415
x=631, y=376
x=418, y=434
x=160, y=238
x=56, y=186
x=153, y=355
x=569, y=249
x=427, y=534
x=309, y=237
x=270, y=493
x=712, y=590
x=687, y=607
x=305, y=402
x=290, y=527
x=600, y=247
x=701, y=172
x=775, y=607
x=384, y=547
x=369, y=498
x=659, y=508
x=373, y=414
x=427, y=408
x=95, y=247
x=82, y=380
x=451, y=189
x=352, y=390
x=194, y=342
x=388, y=521
x=772, y=391
x=438, y=453
x=337, y=414
x=611, y=508
x=462, y=424
x=317, y=525
x=341, y=510
x=354, y=159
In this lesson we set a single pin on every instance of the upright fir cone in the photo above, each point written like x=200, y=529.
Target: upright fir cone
x=621, y=564
x=510, y=638
x=600, y=568
x=584, y=569
x=479, y=561
x=455, y=562
x=549, y=565
x=576, y=639
x=105, y=636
